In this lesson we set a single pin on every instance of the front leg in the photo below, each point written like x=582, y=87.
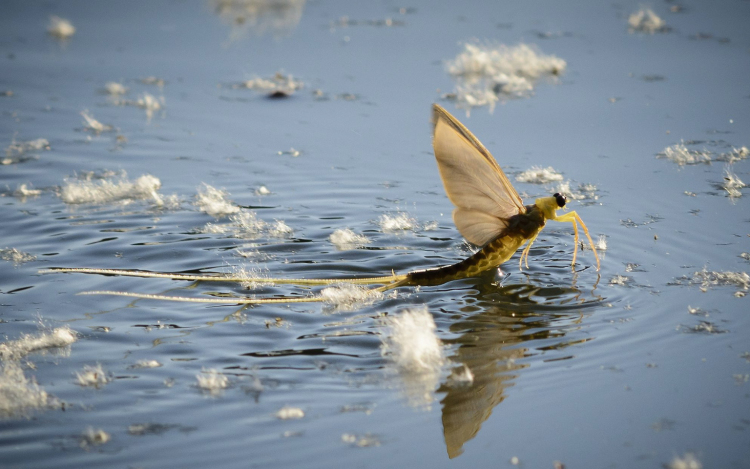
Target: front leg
x=572, y=217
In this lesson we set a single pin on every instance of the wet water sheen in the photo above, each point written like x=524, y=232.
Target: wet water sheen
x=638, y=365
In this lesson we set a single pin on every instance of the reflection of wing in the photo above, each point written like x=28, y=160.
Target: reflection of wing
x=466, y=408
x=483, y=195
x=491, y=344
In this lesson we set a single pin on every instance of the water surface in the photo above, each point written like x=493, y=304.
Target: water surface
x=632, y=366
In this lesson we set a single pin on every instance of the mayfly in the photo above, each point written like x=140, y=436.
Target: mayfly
x=489, y=213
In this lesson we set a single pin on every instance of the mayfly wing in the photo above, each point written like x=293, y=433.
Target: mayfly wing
x=483, y=195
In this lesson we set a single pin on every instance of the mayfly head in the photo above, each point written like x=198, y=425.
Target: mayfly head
x=560, y=199
x=550, y=205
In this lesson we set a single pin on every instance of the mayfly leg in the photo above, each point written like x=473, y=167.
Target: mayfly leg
x=525, y=253
x=572, y=217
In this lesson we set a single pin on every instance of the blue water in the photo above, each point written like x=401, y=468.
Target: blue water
x=568, y=366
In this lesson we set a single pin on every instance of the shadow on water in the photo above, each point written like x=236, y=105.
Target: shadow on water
x=507, y=320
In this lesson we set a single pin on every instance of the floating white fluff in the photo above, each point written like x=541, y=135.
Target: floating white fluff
x=280, y=230
x=114, y=88
x=278, y=17
x=94, y=437
x=60, y=28
x=681, y=155
x=539, y=175
x=708, y=279
x=247, y=224
x=499, y=60
x=620, y=280
x=396, y=222
x=60, y=337
x=486, y=72
x=92, y=376
x=348, y=296
x=688, y=461
x=89, y=123
x=413, y=347
x=289, y=413
x=17, y=392
x=214, y=202
x=149, y=102
x=412, y=343
x=601, y=243
x=251, y=278
x=645, y=20
x=212, y=381
x=461, y=376
x=25, y=191
x=146, y=101
x=362, y=441
x=277, y=85
x=345, y=239
x=732, y=183
x=15, y=256
x=156, y=81
x=733, y=156
x=19, y=148
x=262, y=190
x=581, y=192
x=111, y=190
x=146, y=364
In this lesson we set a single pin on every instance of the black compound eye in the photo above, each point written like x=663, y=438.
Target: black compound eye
x=561, y=199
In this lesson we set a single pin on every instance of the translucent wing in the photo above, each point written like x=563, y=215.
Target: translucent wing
x=483, y=195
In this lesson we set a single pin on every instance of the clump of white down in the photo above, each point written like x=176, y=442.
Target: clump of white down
x=732, y=183
x=486, y=72
x=279, y=83
x=687, y=461
x=60, y=28
x=111, y=190
x=645, y=20
x=24, y=190
x=146, y=364
x=214, y=202
x=707, y=279
x=396, y=222
x=682, y=155
x=539, y=175
x=114, y=88
x=290, y=413
x=417, y=353
x=460, y=376
x=278, y=17
x=19, y=148
x=93, y=376
x=145, y=101
x=18, y=393
x=93, y=437
x=15, y=256
x=245, y=224
x=250, y=278
x=346, y=239
x=620, y=280
x=348, y=296
x=56, y=338
x=89, y=123
x=212, y=381
x=581, y=192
